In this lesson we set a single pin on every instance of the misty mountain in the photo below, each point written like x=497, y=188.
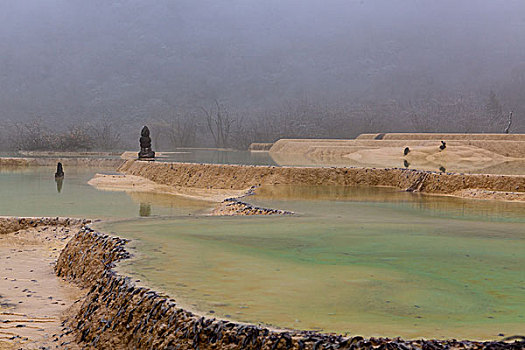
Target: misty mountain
x=70, y=61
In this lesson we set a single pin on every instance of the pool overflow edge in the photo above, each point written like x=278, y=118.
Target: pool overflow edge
x=116, y=313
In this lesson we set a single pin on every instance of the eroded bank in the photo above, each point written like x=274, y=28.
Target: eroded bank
x=239, y=177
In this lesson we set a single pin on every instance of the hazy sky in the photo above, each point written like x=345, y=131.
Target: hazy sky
x=72, y=58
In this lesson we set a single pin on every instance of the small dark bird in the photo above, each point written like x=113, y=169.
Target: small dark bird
x=60, y=171
x=406, y=163
x=407, y=150
x=443, y=145
x=442, y=169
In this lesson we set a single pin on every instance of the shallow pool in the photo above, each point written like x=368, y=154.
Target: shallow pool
x=33, y=191
x=364, y=261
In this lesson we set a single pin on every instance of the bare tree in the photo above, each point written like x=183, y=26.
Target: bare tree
x=509, y=123
x=219, y=123
x=30, y=136
x=105, y=135
x=76, y=138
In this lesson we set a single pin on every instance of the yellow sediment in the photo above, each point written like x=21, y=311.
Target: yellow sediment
x=442, y=136
x=132, y=183
x=238, y=177
x=490, y=155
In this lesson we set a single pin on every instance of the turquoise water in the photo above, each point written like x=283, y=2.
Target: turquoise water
x=370, y=261
x=359, y=260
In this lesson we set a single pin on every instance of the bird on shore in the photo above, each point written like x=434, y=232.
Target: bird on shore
x=443, y=145
x=406, y=151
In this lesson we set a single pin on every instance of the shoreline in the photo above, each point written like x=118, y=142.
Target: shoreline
x=33, y=300
x=114, y=312
x=214, y=177
x=101, y=317
x=155, y=320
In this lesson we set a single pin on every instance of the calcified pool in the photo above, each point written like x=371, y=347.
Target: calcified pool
x=33, y=191
x=364, y=261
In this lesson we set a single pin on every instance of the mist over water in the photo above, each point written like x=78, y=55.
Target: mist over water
x=276, y=68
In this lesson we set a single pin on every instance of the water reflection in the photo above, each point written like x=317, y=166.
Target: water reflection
x=29, y=191
x=59, y=181
x=145, y=209
x=296, y=198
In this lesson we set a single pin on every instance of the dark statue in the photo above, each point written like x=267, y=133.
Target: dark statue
x=59, y=177
x=60, y=171
x=145, y=145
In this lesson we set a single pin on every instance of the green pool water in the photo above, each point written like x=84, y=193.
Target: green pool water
x=33, y=191
x=365, y=261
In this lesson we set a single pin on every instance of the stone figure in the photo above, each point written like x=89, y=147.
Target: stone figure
x=60, y=171
x=145, y=145
x=59, y=177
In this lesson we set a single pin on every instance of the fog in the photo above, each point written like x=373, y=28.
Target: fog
x=96, y=71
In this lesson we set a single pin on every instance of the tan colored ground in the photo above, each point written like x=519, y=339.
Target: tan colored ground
x=494, y=195
x=81, y=162
x=213, y=177
x=128, y=155
x=66, y=153
x=33, y=300
x=437, y=136
x=476, y=156
x=258, y=146
x=131, y=183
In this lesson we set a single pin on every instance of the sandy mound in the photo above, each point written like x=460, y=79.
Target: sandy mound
x=435, y=136
x=212, y=177
x=257, y=146
x=131, y=183
x=476, y=156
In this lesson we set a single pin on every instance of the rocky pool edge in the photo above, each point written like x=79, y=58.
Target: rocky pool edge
x=116, y=313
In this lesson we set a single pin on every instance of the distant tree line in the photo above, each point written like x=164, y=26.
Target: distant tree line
x=219, y=125
x=35, y=135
